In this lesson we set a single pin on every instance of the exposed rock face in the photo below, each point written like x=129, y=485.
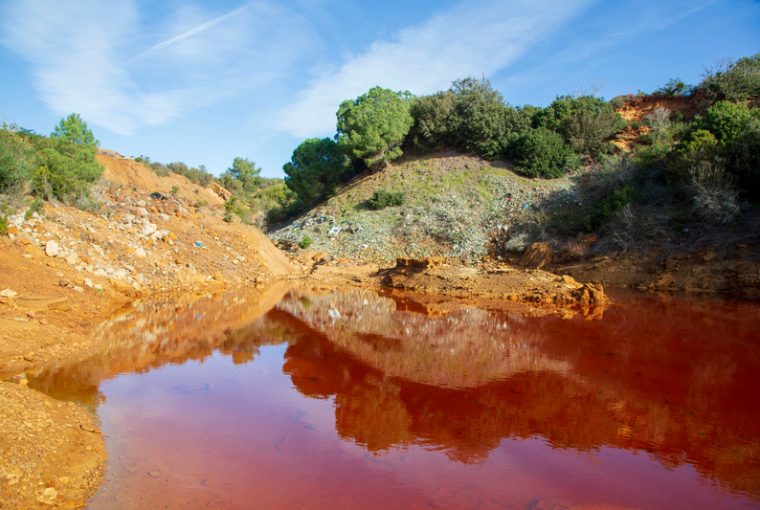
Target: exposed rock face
x=537, y=256
x=500, y=282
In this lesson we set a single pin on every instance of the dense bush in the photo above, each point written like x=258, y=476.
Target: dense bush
x=17, y=158
x=713, y=192
x=727, y=120
x=482, y=122
x=471, y=116
x=734, y=81
x=586, y=122
x=542, y=152
x=433, y=121
x=675, y=87
x=373, y=126
x=743, y=160
x=305, y=242
x=315, y=170
x=382, y=199
x=66, y=161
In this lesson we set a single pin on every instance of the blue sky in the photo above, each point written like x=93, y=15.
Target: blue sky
x=203, y=82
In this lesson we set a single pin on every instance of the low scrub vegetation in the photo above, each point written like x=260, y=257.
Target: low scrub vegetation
x=61, y=166
x=382, y=199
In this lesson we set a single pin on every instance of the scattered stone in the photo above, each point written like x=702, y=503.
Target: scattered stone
x=140, y=253
x=72, y=258
x=77, y=288
x=52, y=249
x=148, y=228
x=88, y=283
x=8, y=293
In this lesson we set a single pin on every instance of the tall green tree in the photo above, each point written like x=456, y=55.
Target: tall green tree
x=67, y=164
x=73, y=129
x=315, y=170
x=246, y=173
x=373, y=126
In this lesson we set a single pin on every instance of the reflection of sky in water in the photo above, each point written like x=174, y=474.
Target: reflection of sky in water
x=600, y=412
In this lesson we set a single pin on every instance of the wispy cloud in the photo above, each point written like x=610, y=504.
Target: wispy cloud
x=474, y=38
x=82, y=56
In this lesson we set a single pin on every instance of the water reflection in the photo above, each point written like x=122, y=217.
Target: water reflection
x=677, y=380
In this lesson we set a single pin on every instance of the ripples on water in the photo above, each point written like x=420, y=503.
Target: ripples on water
x=356, y=400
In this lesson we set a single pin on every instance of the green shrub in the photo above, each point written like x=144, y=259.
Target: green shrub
x=382, y=199
x=34, y=207
x=305, y=242
x=675, y=87
x=17, y=158
x=3, y=225
x=727, y=120
x=588, y=131
x=315, y=170
x=482, y=122
x=67, y=165
x=700, y=145
x=542, y=153
x=471, y=116
x=433, y=121
x=734, y=81
x=605, y=209
x=713, y=192
x=586, y=122
x=743, y=160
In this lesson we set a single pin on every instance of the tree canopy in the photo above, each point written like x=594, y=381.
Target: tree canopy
x=316, y=168
x=373, y=126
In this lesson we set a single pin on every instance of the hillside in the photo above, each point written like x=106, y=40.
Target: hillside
x=451, y=203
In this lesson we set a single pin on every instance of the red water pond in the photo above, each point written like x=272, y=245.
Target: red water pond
x=356, y=400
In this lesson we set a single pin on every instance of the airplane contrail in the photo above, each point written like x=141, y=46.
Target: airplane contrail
x=196, y=30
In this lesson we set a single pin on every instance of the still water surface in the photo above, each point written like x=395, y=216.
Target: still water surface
x=356, y=400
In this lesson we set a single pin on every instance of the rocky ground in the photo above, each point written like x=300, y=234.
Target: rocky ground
x=451, y=203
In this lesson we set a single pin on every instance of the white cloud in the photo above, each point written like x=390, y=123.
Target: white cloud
x=100, y=59
x=473, y=39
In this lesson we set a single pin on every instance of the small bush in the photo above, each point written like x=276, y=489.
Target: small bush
x=34, y=207
x=607, y=208
x=675, y=87
x=743, y=160
x=305, y=242
x=542, y=153
x=588, y=131
x=17, y=158
x=727, y=120
x=3, y=225
x=734, y=81
x=382, y=199
x=713, y=192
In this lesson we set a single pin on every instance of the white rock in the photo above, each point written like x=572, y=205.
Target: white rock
x=142, y=211
x=51, y=248
x=148, y=228
x=164, y=216
x=8, y=293
x=160, y=234
x=72, y=258
x=77, y=288
x=140, y=252
x=88, y=283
